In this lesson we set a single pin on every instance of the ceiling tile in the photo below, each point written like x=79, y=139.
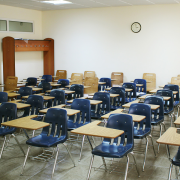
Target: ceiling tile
x=113, y=2
x=138, y=2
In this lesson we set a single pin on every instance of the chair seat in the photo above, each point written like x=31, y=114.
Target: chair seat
x=43, y=140
x=71, y=125
x=140, y=133
x=5, y=131
x=39, y=118
x=116, y=107
x=112, y=151
x=176, y=159
x=176, y=103
x=155, y=121
x=168, y=111
x=127, y=100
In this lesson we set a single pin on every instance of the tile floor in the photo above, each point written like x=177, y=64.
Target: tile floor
x=12, y=160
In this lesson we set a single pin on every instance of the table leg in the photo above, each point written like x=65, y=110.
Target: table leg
x=96, y=107
x=168, y=153
x=90, y=143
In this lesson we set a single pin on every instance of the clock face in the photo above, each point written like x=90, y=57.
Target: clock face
x=136, y=27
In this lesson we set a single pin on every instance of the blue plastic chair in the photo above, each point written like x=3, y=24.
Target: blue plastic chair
x=103, y=86
x=36, y=103
x=116, y=149
x=142, y=130
x=31, y=81
x=103, y=108
x=168, y=105
x=140, y=90
x=8, y=112
x=59, y=97
x=52, y=135
x=158, y=114
x=176, y=162
x=24, y=91
x=45, y=85
x=80, y=119
x=63, y=82
x=47, y=78
x=3, y=97
x=174, y=87
x=117, y=102
x=130, y=96
x=79, y=91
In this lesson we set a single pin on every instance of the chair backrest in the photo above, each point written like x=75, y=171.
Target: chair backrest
x=36, y=103
x=10, y=83
x=121, y=122
x=173, y=87
x=104, y=107
x=8, y=111
x=3, y=97
x=120, y=100
x=63, y=82
x=93, y=83
x=45, y=85
x=89, y=74
x=58, y=123
x=144, y=110
x=77, y=78
x=175, y=80
x=140, y=88
x=129, y=85
x=156, y=100
x=25, y=91
x=31, y=81
x=47, y=78
x=79, y=91
x=165, y=92
x=118, y=76
x=59, y=96
x=85, y=111
x=61, y=74
x=108, y=83
x=151, y=80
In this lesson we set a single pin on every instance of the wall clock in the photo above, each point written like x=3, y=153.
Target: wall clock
x=136, y=27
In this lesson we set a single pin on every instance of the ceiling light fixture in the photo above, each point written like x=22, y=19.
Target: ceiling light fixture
x=57, y=2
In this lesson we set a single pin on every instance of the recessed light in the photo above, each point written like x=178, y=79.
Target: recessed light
x=57, y=2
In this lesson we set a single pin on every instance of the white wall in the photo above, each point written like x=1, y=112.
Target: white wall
x=101, y=39
x=27, y=63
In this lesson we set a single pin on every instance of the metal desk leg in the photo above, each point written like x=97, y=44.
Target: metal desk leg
x=90, y=143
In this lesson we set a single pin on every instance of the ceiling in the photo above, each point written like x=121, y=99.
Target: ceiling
x=38, y=5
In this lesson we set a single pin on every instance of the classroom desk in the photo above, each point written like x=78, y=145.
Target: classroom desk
x=26, y=123
x=85, y=87
x=44, y=97
x=166, y=98
x=92, y=102
x=155, y=90
x=127, y=105
x=19, y=105
x=66, y=91
x=11, y=94
x=92, y=129
x=126, y=89
x=101, y=83
x=136, y=118
x=139, y=85
x=111, y=95
x=33, y=88
x=70, y=112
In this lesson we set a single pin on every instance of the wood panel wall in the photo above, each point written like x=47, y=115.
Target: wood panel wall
x=10, y=46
